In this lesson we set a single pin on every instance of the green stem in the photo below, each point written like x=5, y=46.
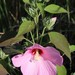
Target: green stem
x=37, y=32
x=47, y=43
x=5, y=7
x=37, y=27
x=42, y=34
x=28, y=40
x=68, y=11
x=32, y=37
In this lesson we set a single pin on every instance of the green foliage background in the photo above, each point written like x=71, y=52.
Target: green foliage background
x=19, y=20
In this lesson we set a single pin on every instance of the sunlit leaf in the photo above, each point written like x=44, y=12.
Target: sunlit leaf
x=54, y=9
x=47, y=0
x=26, y=1
x=41, y=8
x=60, y=42
x=25, y=27
x=36, y=18
x=61, y=70
x=51, y=23
x=72, y=48
x=31, y=12
x=74, y=73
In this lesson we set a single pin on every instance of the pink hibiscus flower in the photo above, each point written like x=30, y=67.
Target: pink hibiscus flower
x=38, y=60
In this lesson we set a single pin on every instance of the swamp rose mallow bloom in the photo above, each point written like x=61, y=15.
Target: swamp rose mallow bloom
x=38, y=60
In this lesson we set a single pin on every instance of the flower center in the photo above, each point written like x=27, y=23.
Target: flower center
x=36, y=53
x=36, y=50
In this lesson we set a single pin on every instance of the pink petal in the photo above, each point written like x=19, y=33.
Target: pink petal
x=35, y=46
x=40, y=67
x=18, y=60
x=49, y=53
x=30, y=68
x=53, y=55
x=46, y=68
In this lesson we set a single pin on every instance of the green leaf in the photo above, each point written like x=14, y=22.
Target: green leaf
x=31, y=12
x=61, y=70
x=11, y=41
x=25, y=27
x=41, y=8
x=2, y=70
x=72, y=48
x=8, y=67
x=8, y=35
x=47, y=0
x=12, y=51
x=51, y=23
x=60, y=42
x=55, y=9
x=74, y=73
x=26, y=1
x=2, y=54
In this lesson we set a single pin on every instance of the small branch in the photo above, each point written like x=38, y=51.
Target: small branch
x=1, y=33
